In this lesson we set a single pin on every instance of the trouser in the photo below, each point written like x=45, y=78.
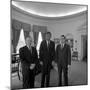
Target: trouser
x=45, y=75
x=28, y=79
x=65, y=73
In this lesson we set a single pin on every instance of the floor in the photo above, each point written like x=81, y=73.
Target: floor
x=77, y=76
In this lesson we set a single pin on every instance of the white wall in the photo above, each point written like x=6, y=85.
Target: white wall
x=58, y=27
x=70, y=25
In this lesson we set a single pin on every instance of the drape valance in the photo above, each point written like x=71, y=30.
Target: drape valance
x=17, y=25
x=42, y=29
x=26, y=27
x=16, y=28
x=37, y=28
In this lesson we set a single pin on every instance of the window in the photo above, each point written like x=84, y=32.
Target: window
x=39, y=42
x=21, y=41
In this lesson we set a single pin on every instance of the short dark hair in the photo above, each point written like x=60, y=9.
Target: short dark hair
x=63, y=36
x=49, y=33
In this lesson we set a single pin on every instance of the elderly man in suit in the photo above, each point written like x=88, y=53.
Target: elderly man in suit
x=28, y=55
x=47, y=55
x=63, y=59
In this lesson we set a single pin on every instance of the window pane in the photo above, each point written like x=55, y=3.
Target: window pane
x=39, y=42
x=21, y=41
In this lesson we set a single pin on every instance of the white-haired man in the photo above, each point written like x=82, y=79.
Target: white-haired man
x=28, y=55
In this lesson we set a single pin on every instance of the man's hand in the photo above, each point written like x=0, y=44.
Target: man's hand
x=53, y=63
x=32, y=66
x=69, y=66
x=41, y=62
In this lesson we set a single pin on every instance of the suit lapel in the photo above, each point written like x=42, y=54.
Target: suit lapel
x=28, y=50
x=63, y=47
x=45, y=43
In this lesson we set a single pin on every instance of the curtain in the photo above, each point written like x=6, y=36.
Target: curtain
x=36, y=30
x=27, y=28
x=35, y=34
x=26, y=34
x=17, y=25
x=43, y=35
x=16, y=28
x=16, y=34
x=43, y=30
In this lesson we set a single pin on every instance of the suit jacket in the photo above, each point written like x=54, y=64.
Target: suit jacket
x=27, y=57
x=47, y=54
x=63, y=55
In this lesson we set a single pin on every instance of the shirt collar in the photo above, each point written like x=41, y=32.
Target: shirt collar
x=28, y=46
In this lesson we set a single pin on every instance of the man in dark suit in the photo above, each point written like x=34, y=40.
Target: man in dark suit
x=28, y=56
x=47, y=55
x=63, y=59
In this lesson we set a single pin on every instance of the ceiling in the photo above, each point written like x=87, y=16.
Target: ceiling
x=49, y=9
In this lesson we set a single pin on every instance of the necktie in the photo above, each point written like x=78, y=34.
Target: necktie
x=61, y=45
x=30, y=49
x=48, y=43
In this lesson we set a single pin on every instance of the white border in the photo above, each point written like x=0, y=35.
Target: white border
x=5, y=44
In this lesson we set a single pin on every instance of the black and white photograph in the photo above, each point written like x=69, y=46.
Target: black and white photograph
x=49, y=44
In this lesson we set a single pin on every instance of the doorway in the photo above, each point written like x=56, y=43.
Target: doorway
x=84, y=47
